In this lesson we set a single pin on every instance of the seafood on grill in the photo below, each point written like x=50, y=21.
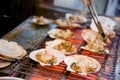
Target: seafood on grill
x=108, y=26
x=77, y=18
x=94, y=41
x=61, y=45
x=41, y=20
x=10, y=50
x=47, y=57
x=60, y=33
x=66, y=24
x=82, y=64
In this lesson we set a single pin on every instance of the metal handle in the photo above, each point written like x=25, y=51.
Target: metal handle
x=95, y=18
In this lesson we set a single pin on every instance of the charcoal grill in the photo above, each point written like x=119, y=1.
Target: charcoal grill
x=31, y=70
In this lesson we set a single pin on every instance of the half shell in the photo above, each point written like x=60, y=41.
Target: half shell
x=11, y=50
x=60, y=34
x=83, y=64
x=63, y=46
x=45, y=56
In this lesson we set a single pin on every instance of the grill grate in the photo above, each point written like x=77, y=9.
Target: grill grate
x=31, y=70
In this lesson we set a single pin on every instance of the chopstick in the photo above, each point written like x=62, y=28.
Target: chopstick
x=95, y=18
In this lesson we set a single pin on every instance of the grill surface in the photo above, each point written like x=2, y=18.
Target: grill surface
x=31, y=70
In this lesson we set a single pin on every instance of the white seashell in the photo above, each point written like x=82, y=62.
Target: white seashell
x=83, y=61
x=60, y=34
x=4, y=63
x=47, y=54
x=107, y=25
x=79, y=18
x=56, y=42
x=11, y=50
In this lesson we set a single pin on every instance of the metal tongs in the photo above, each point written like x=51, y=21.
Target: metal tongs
x=95, y=19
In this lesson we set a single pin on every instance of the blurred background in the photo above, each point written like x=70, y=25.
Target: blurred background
x=14, y=12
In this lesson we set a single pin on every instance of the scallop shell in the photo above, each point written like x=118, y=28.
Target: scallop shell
x=83, y=61
x=11, y=50
x=95, y=42
x=95, y=51
x=4, y=63
x=66, y=24
x=82, y=18
x=52, y=44
x=89, y=35
x=107, y=25
x=60, y=57
x=41, y=20
x=61, y=34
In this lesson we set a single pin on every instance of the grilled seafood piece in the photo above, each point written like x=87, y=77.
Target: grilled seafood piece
x=82, y=64
x=61, y=45
x=66, y=24
x=76, y=18
x=47, y=57
x=60, y=34
x=94, y=40
x=41, y=20
x=107, y=25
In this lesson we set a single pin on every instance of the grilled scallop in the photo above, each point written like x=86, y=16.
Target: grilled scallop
x=76, y=18
x=41, y=20
x=61, y=45
x=107, y=25
x=94, y=41
x=47, y=57
x=89, y=35
x=82, y=64
x=66, y=24
x=60, y=34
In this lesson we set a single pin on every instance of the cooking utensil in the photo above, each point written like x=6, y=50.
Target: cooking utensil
x=95, y=18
